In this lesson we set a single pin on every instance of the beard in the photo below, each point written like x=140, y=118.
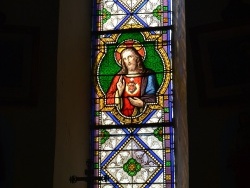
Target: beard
x=131, y=67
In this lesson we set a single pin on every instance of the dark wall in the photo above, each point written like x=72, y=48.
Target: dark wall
x=218, y=109
x=218, y=132
x=27, y=122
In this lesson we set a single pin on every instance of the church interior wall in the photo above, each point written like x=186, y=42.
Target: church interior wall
x=44, y=143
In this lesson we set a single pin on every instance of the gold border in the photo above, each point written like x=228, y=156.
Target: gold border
x=149, y=107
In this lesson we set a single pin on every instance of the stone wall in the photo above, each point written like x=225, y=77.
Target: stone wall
x=180, y=94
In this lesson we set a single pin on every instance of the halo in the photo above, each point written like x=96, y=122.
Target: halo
x=126, y=44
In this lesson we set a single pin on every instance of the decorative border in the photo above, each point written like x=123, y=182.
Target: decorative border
x=150, y=106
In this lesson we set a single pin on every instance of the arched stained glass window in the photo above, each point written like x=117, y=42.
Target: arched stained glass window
x=132, y=122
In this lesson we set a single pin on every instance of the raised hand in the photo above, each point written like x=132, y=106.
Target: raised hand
x=135, y=101
x=120, y=85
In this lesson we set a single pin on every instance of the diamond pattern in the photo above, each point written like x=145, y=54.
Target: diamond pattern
x=132, y=149
x=116, y=147
x=131, y=5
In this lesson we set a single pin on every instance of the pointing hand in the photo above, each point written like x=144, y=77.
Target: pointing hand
x=120, y=85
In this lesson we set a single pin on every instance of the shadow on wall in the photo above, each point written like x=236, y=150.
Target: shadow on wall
x=6, y=154
x=236, y=10
x=235, y=151
x=231, y=153
x=239, y=161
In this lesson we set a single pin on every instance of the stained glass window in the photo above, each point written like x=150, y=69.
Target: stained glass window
x=133, y=134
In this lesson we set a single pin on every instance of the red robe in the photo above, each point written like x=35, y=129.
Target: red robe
x=144, y=87
x=132, y=89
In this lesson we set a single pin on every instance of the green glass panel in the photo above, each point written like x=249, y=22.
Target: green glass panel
x=168, y=163
x=96, y=165
x=166, y=110
x=132, y=167
x=109, y=67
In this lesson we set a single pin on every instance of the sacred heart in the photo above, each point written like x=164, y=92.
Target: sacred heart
x=132, y=87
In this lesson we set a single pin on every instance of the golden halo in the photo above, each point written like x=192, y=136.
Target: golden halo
x=128, y=44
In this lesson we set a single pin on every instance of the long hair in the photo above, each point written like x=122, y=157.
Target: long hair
x=140, y=66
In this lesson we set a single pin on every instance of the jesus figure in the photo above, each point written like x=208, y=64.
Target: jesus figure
x=133, y=86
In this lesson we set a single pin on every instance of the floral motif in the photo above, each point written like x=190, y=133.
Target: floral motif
x=106, y=15
x=132, y=167
x=104, y=136
x=157, y=12
x=158, y=133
